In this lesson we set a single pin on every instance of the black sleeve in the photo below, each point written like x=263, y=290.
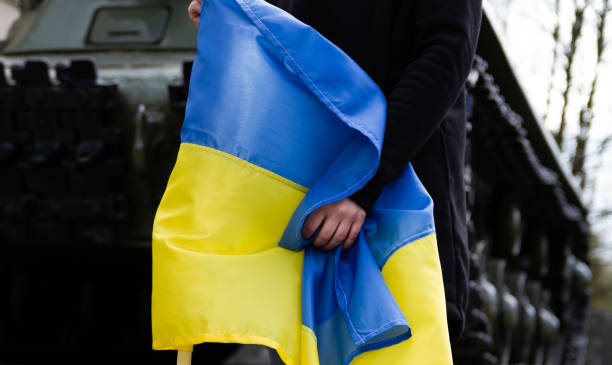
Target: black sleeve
x=445, y=37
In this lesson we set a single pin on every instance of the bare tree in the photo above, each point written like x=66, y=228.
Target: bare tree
x=586, y=113
x=555, y=35
x=580, y=7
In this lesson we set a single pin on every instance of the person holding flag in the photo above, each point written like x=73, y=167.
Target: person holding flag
x=416, y=56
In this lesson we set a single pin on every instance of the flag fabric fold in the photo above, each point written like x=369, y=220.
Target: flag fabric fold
x=280, y=121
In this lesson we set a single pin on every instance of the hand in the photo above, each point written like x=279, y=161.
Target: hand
x=340, y=222
x=194, y=10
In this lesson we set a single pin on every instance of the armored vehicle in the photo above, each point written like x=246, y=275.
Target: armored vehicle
x=528, y=231
x=92, y=96
x=91, y=101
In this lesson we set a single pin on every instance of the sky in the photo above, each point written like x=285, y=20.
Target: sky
x=525, y=27
x=526, y=31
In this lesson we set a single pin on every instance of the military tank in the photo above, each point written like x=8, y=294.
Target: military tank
x=92, y=97
x=528, y=232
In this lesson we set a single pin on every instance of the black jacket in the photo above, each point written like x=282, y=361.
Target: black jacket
x=419, y=52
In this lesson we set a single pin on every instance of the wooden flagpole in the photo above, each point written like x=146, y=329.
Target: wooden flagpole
x=183, y=358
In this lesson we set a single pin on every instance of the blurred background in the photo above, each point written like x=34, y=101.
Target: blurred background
x=92, y=97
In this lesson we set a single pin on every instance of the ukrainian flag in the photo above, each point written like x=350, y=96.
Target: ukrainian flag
x=279, y=121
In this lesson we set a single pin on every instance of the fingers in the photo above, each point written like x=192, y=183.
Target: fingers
x=312, y=223
x=337, y=224
x=194, y=10
x=330, y=224
x=352, y=236
x=339, y=235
